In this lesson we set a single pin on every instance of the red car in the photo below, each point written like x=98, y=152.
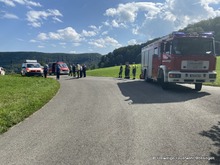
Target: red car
x=64, y=69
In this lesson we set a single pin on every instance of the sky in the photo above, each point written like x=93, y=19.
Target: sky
x=94, y=26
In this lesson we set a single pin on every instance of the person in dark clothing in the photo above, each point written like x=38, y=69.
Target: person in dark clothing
x=45, y=71
x=74, y=70
x=120, y=72
x=134, y=69
x=84, y=70
x=127, y=71
x=58, y=71
x=70, y=71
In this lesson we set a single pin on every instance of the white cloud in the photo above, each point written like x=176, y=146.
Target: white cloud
x=10, y=16
x=104, y=42
x=152, y=20
x=132, y=42
x=36, y=18
x=76, y=44
x=88, y=33
x=104, y=33
x=42, y=36
x=41, y=46
x=8, y=3
x=33, y=41
x=57, y=19
x=12, y=3
x=68, y=34
x=54, y=36
x=127, y=13
x=182, y=13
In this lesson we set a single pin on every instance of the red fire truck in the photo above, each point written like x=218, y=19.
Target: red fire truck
x=180, y=58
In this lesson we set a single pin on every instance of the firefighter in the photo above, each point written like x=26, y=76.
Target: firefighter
x=58, y=71
x=74, y=70
x=70, y=72
x=120, y=72
x=84, y=70
x=45, y=71
x=134, y=69
x=127, y=71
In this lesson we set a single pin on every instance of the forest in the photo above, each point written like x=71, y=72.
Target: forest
x=12, y=61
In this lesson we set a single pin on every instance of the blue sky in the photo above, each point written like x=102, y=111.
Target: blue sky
x=84, y=26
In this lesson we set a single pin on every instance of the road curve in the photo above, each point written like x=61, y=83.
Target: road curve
x=115, y=121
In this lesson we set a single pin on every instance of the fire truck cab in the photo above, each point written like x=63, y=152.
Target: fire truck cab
x=180, y=58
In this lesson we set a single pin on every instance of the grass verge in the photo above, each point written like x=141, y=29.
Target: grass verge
x=113, y=72
x=22, y=96
x=217, y=82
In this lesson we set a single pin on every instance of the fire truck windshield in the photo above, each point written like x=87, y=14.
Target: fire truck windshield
x=192, y=46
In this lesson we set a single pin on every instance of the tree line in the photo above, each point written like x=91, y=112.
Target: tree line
x=12, y=60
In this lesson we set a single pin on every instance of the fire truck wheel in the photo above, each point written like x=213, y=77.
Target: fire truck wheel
x=146, y=76
x=198, y=86
x=163, y=84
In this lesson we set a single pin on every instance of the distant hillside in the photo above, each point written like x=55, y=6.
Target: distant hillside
x=122, y=55
x=133, y=53
x=12, y=60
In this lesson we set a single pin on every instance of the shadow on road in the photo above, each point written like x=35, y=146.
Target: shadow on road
x=140, y=92
x=214, y=135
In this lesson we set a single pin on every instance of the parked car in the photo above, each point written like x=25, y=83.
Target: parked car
x=2, y=71
x=64, y=69
x=31, y=68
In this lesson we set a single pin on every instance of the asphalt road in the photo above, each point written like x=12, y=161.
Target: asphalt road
x=109, y=121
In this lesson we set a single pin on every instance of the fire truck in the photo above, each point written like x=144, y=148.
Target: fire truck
x=180, y=58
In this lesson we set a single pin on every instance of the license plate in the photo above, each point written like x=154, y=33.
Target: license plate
x=195, y=75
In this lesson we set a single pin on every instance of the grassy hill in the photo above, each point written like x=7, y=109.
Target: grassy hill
x=22, y=96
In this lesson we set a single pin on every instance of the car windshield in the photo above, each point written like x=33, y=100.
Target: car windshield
x=193, y=46
x=34, y=65
x=63, y=65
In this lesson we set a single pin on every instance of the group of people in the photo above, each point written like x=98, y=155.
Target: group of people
x=78, y=70
x=127, y=70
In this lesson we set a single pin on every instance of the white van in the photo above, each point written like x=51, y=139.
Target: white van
x=2, y=71
x=31, y=68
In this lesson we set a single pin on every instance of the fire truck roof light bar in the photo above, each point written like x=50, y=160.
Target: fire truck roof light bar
x=182, y=34
x=30, y=61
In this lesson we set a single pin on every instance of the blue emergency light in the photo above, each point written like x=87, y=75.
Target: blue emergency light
x=207, y=34
x=179, y=34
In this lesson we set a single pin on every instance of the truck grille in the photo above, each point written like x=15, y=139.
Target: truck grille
x=195, y=65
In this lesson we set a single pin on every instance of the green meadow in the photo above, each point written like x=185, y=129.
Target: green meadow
x=22, y=96
x=113, y=72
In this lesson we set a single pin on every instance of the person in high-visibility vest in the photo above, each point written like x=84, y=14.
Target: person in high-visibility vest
x=134, y=69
